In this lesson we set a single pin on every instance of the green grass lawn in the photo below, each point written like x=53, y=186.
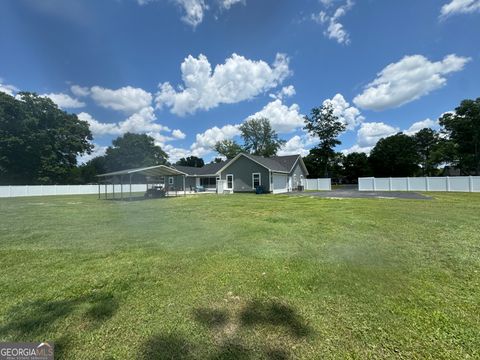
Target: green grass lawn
x=243, y=277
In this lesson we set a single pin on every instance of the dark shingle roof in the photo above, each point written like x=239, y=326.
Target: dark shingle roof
x=271, y=163
x=209, y=169
x=274, y=163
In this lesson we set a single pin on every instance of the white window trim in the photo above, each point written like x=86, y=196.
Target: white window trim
x=226, y=179
x=170, y=180
x=259, y=179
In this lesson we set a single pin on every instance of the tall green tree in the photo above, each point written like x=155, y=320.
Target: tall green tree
x=324, y=125
x=355, y=165
x=228, y=148
x=463, y=129
x=427, y=142
x=395, y=155
x=39, y=143
x=259, y=138
x=132, y=151
x=191, y=161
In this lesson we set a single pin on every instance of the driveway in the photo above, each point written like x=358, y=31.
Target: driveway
x=352, y=192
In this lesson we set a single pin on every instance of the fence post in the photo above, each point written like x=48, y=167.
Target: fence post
x=390, y=184
x=408, y=184
x=447, y=180
x=318, y=184
x=427, y=187
x=470, y=183
x=9, y=191
x=374, y=184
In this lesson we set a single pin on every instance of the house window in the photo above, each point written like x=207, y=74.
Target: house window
x=256, y=180
x=208, y=182
x=170, y=180
x=229, y=182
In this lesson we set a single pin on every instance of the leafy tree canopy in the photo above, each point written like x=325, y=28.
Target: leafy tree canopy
x=133, y=151
x=463, y=129
x=324, y=125
x=355, y=165
x=191, y=161
x=259, y=138
x=395, y=156
x=228, y=148
x=39, y=143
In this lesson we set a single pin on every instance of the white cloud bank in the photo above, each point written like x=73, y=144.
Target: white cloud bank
x=205, y=141
x=7, y=89
x=236, y=80
x=194, y=10
x=459, y=7
x=335, y=30
x=370, y=133
x=349, y=115
x=140, y=122
x=407, y=80
x=65, y=101
x=283, y=118
x=127, y=99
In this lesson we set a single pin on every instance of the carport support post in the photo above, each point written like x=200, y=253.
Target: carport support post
x=184, y=189
x=121, y=187
x=130, y=196
x=106, y=191
x=113, y=188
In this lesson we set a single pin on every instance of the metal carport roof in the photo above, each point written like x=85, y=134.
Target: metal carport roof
x=158, y=170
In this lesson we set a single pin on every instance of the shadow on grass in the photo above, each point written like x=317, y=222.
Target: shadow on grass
x=271, y=316
x=276, y=314
x=32, y=320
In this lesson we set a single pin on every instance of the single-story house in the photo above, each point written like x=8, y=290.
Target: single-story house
x=244, y=173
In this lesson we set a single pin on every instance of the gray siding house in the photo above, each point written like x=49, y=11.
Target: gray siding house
x=244, y=173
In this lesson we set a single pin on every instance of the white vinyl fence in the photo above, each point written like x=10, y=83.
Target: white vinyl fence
x=448, y=183
x=317, y=184
x=45, y=190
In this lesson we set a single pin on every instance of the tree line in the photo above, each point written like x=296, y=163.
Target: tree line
x=455, y=147
x=40, y=143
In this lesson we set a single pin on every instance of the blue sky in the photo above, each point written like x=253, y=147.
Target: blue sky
x=188, y=72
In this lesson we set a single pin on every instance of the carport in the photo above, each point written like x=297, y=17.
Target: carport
x=152, y=175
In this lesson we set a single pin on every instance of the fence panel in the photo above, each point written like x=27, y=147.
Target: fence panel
x=318, y=184
x=449, y=183
x=47, y=190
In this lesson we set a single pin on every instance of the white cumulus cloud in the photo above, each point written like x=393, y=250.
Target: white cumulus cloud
x=178, y=134
x=407, y=80
x=98, y=150
x=283, y=118
x=419, y=125
x=285, y=92
x=459, y=7
x=335, y=30
x=349, y=115
x=64, y=101
x=7, y=89
x=143, y=121
x=127, y=99
x=227, y=4
x=236, y=80
x=204, y=142
x=295, y=145
x=79, y=91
